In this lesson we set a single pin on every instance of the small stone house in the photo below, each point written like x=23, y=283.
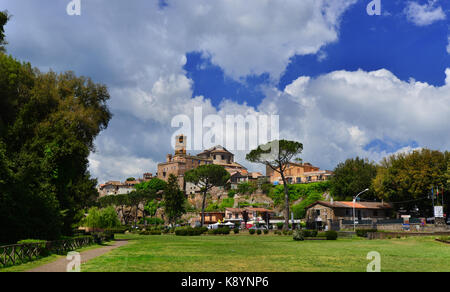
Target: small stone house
x=333, y=214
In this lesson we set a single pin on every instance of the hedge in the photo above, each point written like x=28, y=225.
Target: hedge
x=189, y=231
x=364, y=232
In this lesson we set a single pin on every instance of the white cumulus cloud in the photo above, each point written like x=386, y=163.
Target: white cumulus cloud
x=424, y=14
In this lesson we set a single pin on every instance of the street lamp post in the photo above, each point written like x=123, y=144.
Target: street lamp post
x=354, y=201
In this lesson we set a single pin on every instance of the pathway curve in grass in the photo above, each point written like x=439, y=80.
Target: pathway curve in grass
x=61, y=264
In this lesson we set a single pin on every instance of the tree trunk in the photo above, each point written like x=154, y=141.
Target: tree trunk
x=286, y=202
x=203, y=209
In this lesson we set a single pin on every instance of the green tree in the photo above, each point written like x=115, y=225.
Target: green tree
x=407, y=179
x=4, y=17
x=206, y=177
x=246, y=188
x=138, y=199
x=101, y=218
x=155, y=185
x=277, y=155
x=152, y=207
x=174, y=200
x=131, y=179
x=351, y=177
x=48, y=123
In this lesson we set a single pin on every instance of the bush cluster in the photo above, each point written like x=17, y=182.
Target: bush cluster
x=309, y=233
x=299, y=235
x=189, y=231
x=150, y=232
x=331, y=235
x=121, y=229
x=236, y=230
x=222, y=230
x=251, y=231
x=364, y=232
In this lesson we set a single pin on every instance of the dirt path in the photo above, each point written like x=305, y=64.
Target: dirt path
x=60, y=265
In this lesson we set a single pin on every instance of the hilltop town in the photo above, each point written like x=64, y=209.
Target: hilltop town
x=180, y=162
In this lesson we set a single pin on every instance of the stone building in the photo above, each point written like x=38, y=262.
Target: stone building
x=181, y=162
x=116, y=188
x=333, y=214
x=297, y=173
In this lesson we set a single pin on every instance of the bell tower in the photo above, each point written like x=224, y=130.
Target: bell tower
x=180, y=145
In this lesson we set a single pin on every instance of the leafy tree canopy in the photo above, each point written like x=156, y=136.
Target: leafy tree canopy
x=277, y=155
x=4, y=17
x=408, y=178
x=154, y=185
x=48, y=123
x=351, y=177
x=206, y=177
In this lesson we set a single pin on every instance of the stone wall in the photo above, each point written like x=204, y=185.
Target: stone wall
x=414, y=227
x=384, y=235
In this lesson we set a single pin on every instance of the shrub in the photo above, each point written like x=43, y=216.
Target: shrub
x=41, y=243
x=280, y=225
x=28, y=241
x=258, y=231
x=266, y=231
x=445, y=238
x=331, y=235
x=309, y=233
x=121, y=229
x=151, y=232
x=236, y=230
x=222, y=230
x=99, y=237
x=364, y=232
x=299, y=235
x=251, y=231
x=181, y=231
x=189, y=231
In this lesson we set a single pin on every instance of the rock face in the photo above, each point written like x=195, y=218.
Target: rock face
x=257, y=199
x=216, y=195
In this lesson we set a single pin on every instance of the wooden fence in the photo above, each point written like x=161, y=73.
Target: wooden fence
x=21, y=253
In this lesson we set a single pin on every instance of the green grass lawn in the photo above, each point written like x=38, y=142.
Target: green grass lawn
x=253, y=253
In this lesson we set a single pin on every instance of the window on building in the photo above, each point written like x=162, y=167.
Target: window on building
x=317, y=212
x=375, y=213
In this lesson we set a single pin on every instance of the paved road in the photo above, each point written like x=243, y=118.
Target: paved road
x=60, y=265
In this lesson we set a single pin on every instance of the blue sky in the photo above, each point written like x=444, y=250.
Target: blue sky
x=365, y=42
x=343, y=83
